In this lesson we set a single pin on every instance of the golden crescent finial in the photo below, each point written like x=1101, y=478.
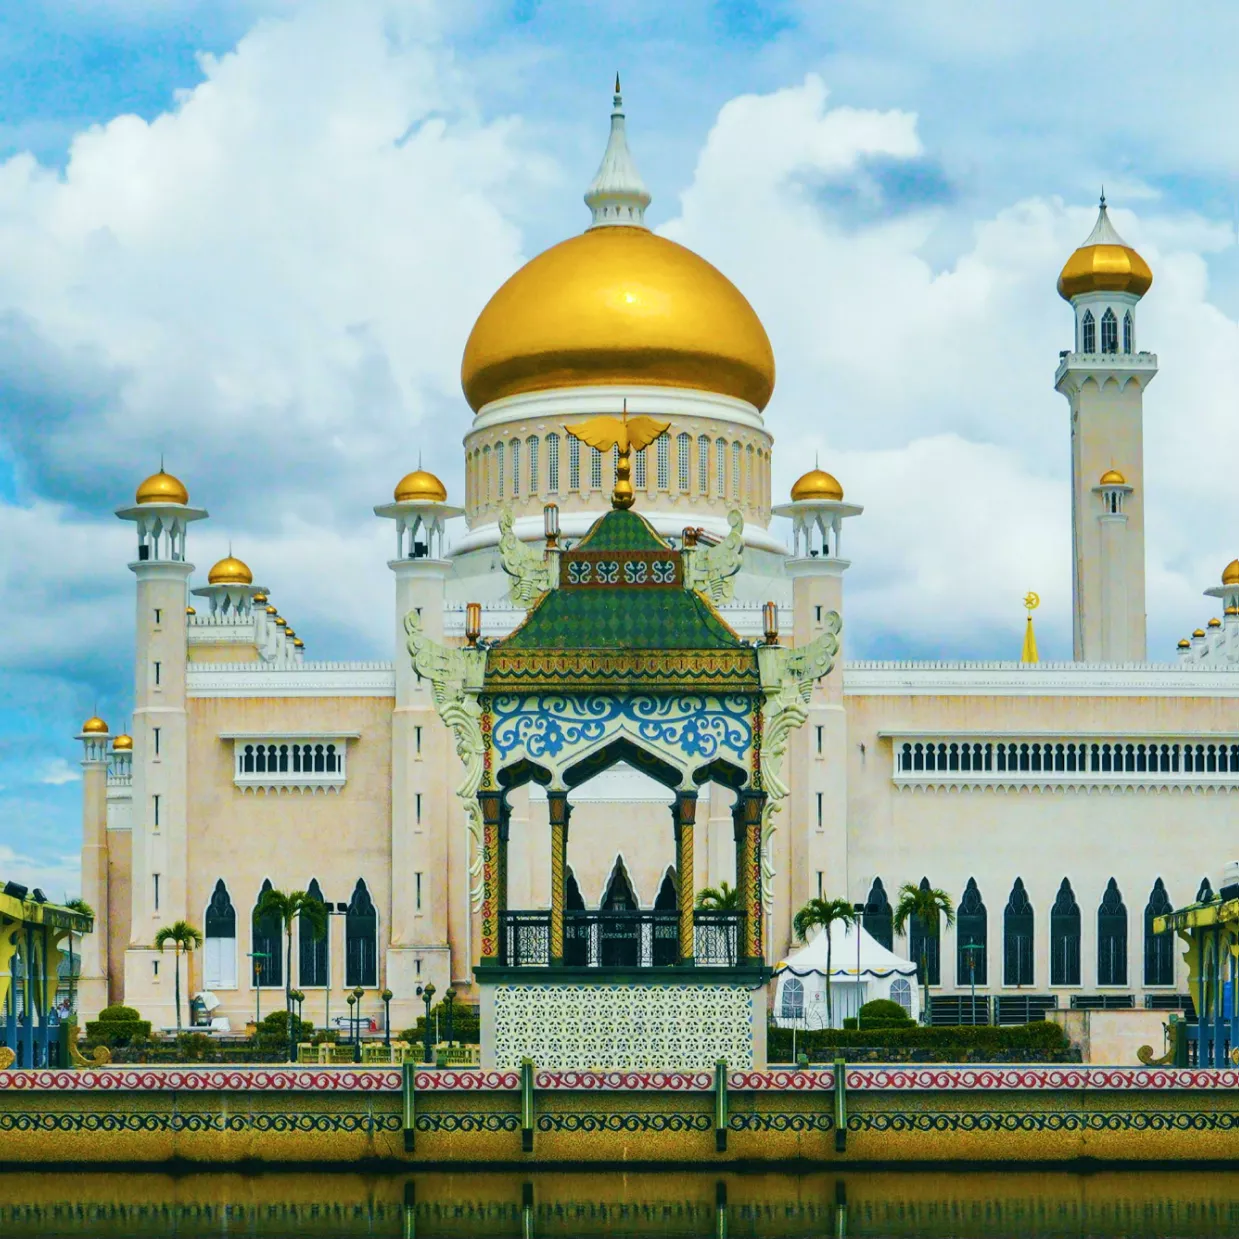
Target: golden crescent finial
x=1031, y=601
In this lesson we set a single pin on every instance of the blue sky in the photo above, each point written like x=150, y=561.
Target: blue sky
x=253, y=236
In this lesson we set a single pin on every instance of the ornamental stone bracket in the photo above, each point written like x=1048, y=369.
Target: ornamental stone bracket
x=711, y=570
x=533, y=572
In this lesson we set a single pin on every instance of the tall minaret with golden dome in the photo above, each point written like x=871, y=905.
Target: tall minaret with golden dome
x=159, y=873
x=1103, y=377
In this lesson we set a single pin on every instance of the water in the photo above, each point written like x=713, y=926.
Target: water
x=464, y=1203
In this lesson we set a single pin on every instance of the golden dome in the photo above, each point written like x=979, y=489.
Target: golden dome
x=817, y=484
x=1230, y=574
x=230, y=571
x=260, y=598
x=190, y=611
x=288, y=632
x=299, y=643
x=1184, y=644
x=420, y=484
x=1215, y=623
x=1112, y=477
x=1198, y=632
x=272, y=611
x=94, y=726
x=122, y=744
x=1232, y=610
x=617, y=305
x=1104, y=263
x=162, y=487
x=281, y=621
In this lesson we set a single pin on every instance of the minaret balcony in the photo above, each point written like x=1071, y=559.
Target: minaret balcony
x=1099, y=364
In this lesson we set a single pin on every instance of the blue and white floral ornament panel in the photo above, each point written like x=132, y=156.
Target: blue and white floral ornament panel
x=557, y=730
x=624, y=1027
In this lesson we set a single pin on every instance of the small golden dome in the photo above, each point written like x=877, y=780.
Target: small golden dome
x=162, y=487
x=260, y=598
x=1230, y=574
x=281, y=621
x=817, y=484
x=122, y=744
x=288, y=632
x=271, y=611
x=420, y=484
x=230, y=571
x=1215, y=623
x=299, y=643
x=1112, y=477
x=190, y=611
x=1232, y=610
x=94, y=726
x=1104, y=263
x=1184, y=644
x=1198, y=632
x=617, y=305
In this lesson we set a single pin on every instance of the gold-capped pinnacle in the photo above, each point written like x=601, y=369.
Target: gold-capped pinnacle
x=625, y=434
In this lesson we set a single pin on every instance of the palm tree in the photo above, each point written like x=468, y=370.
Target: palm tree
x=929, y=905
x=822, y=914
x=184, y=938
x=723, y=898
x=288, y=908
x=75, y=905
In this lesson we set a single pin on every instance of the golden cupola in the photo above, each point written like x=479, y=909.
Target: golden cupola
x=421, y=485
x=162, y=487
x=1230, y=574
x=817, y=484
x=230, y=571
x=617, y=305
x=1104, y=263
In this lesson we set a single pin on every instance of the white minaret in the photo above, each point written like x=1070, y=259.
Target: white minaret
x=158, y=889
x=816, y=820
x=1103, y=378
x=424, y=765
x=92, y=990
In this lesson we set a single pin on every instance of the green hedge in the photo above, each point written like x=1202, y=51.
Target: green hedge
x=117, y=1026
x=466, y=1025
x=1039, y=1040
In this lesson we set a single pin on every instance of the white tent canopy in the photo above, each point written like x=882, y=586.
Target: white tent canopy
x=800, y=979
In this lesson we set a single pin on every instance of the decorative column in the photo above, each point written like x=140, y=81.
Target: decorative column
x=492, y=876
x=684, y=812
x=747, y=818
x=92, y=987
x=559, y=811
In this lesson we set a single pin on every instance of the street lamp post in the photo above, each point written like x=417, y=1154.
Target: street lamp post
x=386, y=996
x=972, y=948
x=352, y=1003
x=426, y=993
x=358, y=994
x=859, y=909
x=259, y=958
x=449, y=997
x=332, y=909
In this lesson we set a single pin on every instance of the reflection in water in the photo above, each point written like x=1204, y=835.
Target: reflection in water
x=466, y=1203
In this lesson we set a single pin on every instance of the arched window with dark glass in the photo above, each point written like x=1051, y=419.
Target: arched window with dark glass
x=1017, y=937
x=667, y=927
x=361, y=940
x=1088, y=333
x=619, y=932
x=576, y=928
x=1109, y=332
x=877, y=919
x=311, y=949
x=219, y=956
x=1204, y=892
x=925, y=947
x=1129, y=333
x=1158, y=948
x=1112, y=937
x=1065, y=937
x=268, y=953
x=971, y=938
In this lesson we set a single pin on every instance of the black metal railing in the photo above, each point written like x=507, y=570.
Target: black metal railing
x=640, y=939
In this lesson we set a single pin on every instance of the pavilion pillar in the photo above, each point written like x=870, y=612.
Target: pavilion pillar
x=684, y=812
x=559, y=811
x=494, y=874
x=746, y=817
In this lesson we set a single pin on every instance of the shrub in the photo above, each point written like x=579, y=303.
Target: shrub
x=273, y=1031
x=466, y=1026
x=117, y=1026
x=194, y=1047
x=1038, y=1041
x=882, y=1013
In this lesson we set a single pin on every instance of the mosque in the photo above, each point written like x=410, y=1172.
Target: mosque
x=1061, y=805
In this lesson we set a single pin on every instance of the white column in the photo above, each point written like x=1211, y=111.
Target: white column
x=1115, y=645
x=92, y=990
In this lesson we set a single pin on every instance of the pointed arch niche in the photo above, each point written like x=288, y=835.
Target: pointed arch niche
x=219, y=956
x=1017, y=937
x=1065, y=937
x=971, y=938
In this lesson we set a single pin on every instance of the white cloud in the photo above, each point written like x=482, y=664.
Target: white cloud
x=58, y=877
x=58, y=771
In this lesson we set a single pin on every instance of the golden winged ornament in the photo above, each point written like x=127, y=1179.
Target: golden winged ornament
x=625, y=434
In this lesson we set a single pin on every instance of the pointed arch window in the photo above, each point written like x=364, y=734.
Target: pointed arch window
x=926, y=942
x=1109, y=332
x=219, y=956
x=576, y=929
x=619, y=932
x=361, y=940
x=667, y=928
x=971, y=938
x=268, y=938
x=552, y=463
x=1088, y=333
x=1112, y=937
x=1129, y=333
x=1017, y=937
x=1204, y=892
x=1158, y=948
x=877, y=919
x=311, y=950
x=1065, y=937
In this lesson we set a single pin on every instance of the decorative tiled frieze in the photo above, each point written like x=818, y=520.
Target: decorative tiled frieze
x=205, y=1080
x=975, y=1079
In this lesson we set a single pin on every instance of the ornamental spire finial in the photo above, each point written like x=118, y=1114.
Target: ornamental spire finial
x=617, y=194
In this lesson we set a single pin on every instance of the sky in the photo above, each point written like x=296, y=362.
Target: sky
x=252, y=236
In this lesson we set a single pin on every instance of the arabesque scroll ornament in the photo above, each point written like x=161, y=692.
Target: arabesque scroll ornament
x=532, y=572
x=712, y=569
x=787, y=679
x=455, y=677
